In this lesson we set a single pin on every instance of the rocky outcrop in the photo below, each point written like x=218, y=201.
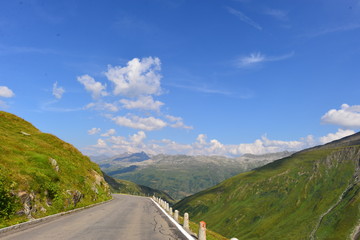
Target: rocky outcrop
x=27, y=201
x=76, y=196
x=99, y=182
x=54, y=164
x=332, y=160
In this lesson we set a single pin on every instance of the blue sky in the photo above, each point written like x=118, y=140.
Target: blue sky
x=223, y=77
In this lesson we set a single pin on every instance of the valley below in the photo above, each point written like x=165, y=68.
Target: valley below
x=181, y=175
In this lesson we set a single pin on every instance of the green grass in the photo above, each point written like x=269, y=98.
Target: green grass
x=183, y=180
x=284, y=199
x=25, y=167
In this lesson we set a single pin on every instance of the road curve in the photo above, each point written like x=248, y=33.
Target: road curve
x=124, y=218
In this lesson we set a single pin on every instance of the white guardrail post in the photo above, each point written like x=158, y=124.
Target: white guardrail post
x=186, y=222
x=202, y=231
x=171, y=211
x=175, y=214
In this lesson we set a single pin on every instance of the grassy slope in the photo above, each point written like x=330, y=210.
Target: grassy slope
x=26, y=169
x=127, y=187
x=178, y=183
x=285, y=199
x=183, y=180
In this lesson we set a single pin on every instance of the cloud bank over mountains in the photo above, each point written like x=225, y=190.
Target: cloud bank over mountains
x=113, y=145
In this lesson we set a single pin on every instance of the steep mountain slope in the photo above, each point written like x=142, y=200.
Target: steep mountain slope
x=314, y=194
x=127, y=187
x=182, y=175
x=41, y=175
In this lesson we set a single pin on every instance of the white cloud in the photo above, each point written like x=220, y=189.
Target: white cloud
x=110, y=132
x=103, y=106
x=259, y=146
x=347, y=116
x=148, y=124
x=252, y=59
x=201, y=146
x=138, y=78
x=335, y=136
x=133, y=143
x=6, y=92
x=277, y=13
x=244, y=18
x=177, y=122
x=137, y=84
x=58, y=91
x=94, y=131
x=201, y=139
x=253, y=148
x=256, y=58
x=173, y=118
x=101, y=143
x=138, y=138
x=143, y=102
x=95, y=88
x=117, y=140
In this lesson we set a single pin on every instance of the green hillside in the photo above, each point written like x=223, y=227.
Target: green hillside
x=182, y=175
x=179, y=182
x=42, y=175
x=314, y=194
x=127, y=187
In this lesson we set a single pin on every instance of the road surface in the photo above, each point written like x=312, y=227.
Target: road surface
x=124, y=218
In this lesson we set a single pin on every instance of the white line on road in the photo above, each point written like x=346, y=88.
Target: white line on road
x=173, y=221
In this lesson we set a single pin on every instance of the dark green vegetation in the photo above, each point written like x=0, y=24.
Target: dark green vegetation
x=42, y=175
x=314, y=194
x=179, y=182
x=181, y=175
x=126, y=187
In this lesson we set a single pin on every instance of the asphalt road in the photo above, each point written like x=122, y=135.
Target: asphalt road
x=124, y=218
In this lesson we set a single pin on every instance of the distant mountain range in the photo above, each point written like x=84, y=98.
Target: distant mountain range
x=180, y=175
x=313, y=194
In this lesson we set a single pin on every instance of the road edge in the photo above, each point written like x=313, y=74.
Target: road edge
x=34, y=222
x=181, y=229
